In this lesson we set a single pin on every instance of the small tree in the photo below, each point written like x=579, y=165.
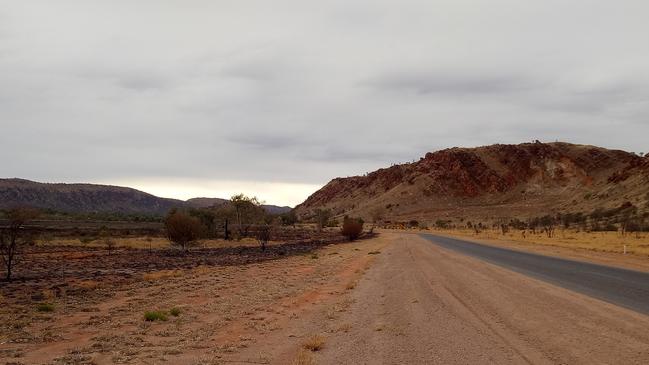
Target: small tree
x=548, y=222
x=13, y=238
x=378, y=214
x=106, y=240
x=322, y=217
x=352, y=228
x=182, y=229
x=248, y=210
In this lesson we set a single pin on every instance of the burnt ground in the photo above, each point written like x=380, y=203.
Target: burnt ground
x=64, y=270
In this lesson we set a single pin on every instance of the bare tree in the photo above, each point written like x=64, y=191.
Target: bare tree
x=182, y=229
x=13, y=238
x=264, y=233
x=377, y=214
x=109, y=243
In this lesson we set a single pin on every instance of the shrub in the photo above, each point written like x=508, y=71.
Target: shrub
x=352, y=228
x=264, y=233
x=152, y=316
x=45, y=307
x=174, y=312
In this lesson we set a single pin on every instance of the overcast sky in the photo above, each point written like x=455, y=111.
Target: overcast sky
x=275, y=98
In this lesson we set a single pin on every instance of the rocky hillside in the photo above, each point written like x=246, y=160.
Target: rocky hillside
x=81, y=198
x=91, y=198
x=491, y=182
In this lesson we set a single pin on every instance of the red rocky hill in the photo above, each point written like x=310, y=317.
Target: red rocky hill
x=491, y=182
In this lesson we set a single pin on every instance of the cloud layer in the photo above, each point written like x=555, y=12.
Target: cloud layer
x=285, y=95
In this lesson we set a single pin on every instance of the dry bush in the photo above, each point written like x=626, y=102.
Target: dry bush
x=182, y=229
x=314, y=343
x=303, y=358
x=352, y=228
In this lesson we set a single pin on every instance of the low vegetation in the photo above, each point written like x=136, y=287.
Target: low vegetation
x=182, y=229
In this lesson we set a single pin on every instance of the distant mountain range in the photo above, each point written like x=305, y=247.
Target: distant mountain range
x=93, y=198
x=491, y=182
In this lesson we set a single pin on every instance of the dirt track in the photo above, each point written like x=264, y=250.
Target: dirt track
x=421, y=304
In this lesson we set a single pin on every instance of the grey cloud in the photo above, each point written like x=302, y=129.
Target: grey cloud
x=288, y=92
x=452, y=82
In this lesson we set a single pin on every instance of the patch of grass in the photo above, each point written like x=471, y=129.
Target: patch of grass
x=314, y=343
x=153, y=316
x=374, y=252
x=175, y=312
x=45, y=307
x=314, y=256
x=88, y=285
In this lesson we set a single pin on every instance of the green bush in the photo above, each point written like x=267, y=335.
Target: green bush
x=174, y=312
x=152, y=316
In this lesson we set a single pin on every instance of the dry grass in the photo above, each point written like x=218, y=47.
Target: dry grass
x=303, y=358
x=594, y=241
x=160, y=275
x=345, y=327
x=88, y=285
x=314, y=343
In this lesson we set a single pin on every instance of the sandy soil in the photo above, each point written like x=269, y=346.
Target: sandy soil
x=226, y=312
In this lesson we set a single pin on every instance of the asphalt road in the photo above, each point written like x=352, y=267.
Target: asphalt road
x=626, y=288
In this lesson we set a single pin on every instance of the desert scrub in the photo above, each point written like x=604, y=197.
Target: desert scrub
x=175, y=312
x=152, y=316
x=45, y=307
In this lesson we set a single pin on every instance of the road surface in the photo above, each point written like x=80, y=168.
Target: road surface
x=623, y=287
